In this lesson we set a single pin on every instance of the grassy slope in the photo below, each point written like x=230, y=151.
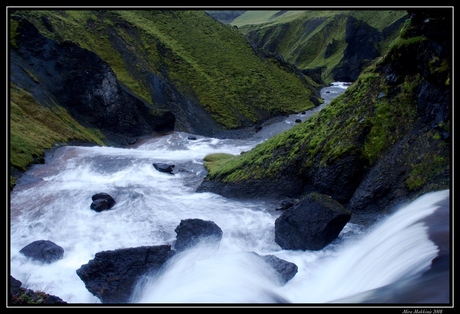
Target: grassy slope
x=35, y=128
x=204, y=59
x=229, y=80
x=310, y=32
x=225, y=16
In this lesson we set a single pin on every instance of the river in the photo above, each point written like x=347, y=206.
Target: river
x=52, y=202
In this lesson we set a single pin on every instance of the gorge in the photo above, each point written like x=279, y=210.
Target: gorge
x=113, y=97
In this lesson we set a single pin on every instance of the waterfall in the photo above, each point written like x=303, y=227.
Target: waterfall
x=207, y=275
x=397, y=248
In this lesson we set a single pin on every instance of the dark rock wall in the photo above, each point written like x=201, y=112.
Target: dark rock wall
x=85, y=85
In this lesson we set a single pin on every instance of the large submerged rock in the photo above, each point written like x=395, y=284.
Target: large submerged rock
x=112, y=275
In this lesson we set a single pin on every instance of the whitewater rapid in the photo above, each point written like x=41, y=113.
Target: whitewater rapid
x=52, y=202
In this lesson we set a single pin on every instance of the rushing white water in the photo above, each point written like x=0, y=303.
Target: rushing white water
x=52, y=202
x=396, y=249
x=55, y=205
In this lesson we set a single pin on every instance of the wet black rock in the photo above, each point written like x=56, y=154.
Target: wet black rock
x=43, y=250
x=191, y=231
x=163, y=167
x=101, y=202
x=112, y=275
x=311, y=224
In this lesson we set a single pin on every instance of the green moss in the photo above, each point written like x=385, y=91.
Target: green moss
x=427, y=169
x=402, y=43
x=212, y=161
x=35, y=128
x=13, y=27
x=376, y=18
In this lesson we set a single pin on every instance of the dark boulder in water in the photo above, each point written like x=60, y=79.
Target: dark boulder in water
x=163, y=167
x=112, y=275
x=285, y=269
x=102, y=201
x=191, y=231
x=311, y=224
x=43, y=251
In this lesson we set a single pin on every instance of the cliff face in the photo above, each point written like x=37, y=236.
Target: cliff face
x=386, y=140
x=363, y=45
x=83, y=84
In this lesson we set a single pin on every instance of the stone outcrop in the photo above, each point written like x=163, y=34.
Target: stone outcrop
x=191, y=231
x=363, y=45
x=112, y=275
x=43, y=251
x=311, y=224
x=21, y=296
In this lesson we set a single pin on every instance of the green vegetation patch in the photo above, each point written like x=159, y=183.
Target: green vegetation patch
x=217, y=65
x=429, y=165
x=35, y=128
x=212, y=161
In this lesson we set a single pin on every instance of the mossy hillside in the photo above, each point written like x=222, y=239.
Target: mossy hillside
x=225, y=16
x=229, y=84
x=35, y=129
x=94, y=31
x=312, y=38
x=298, y=36
x=88, y=31
x=323, y=138
x=204, y=59
x=378, y=19
x=265, y=18
x=365, y=121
